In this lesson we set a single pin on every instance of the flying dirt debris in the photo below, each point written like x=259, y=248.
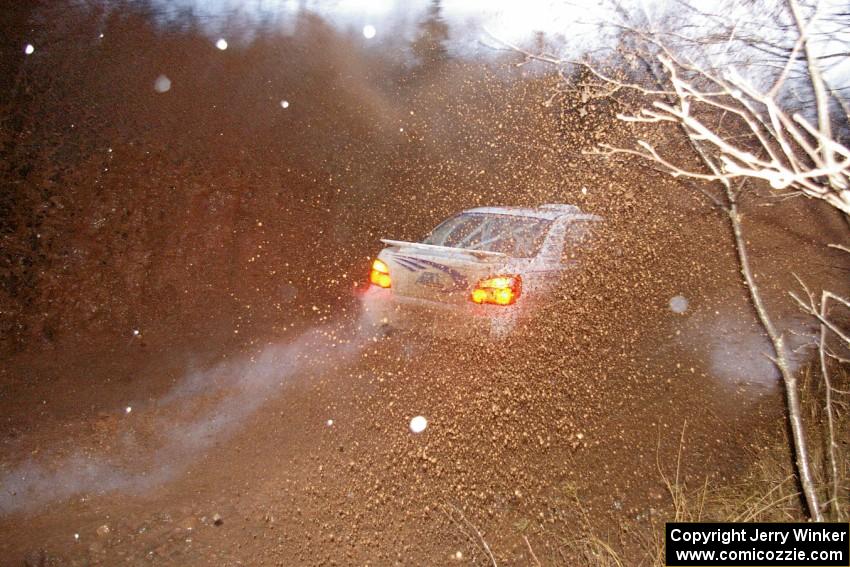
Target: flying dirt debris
x=416, y=283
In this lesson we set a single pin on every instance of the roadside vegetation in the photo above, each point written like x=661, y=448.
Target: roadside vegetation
x=749, y=106
x=746, y=115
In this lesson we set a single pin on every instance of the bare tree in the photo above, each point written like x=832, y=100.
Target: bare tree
x=779, y=146
x=742, y=130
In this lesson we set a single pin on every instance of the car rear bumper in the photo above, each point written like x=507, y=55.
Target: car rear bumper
x=381, y=307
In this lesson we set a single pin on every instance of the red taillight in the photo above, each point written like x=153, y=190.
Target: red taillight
x=498, y=290
x=380, y=274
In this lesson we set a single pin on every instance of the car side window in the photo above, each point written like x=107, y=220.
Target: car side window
x=578, y=233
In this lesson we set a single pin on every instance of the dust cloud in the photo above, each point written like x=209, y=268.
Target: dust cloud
x=203, y=407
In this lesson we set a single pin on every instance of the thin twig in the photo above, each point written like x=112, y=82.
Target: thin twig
x=472, y=527
x=531, y=551
x=824, y=367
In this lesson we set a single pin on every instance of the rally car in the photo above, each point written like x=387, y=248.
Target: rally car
x=483, y=271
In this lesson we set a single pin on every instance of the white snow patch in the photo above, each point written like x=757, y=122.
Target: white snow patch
x=221, y=44
x=369, y=31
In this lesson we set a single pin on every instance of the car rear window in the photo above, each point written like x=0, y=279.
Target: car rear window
x=520, y=237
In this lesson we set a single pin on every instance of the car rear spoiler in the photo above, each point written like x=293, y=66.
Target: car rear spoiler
x=479, y=254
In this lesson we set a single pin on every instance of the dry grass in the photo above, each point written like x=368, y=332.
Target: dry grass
x=768, y=492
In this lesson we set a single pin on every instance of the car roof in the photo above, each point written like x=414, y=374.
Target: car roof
x=548, y=212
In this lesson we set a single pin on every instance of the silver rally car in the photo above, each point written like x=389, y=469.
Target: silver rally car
x=481, y=272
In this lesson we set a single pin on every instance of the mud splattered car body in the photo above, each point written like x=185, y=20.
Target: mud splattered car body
x=482, y=272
